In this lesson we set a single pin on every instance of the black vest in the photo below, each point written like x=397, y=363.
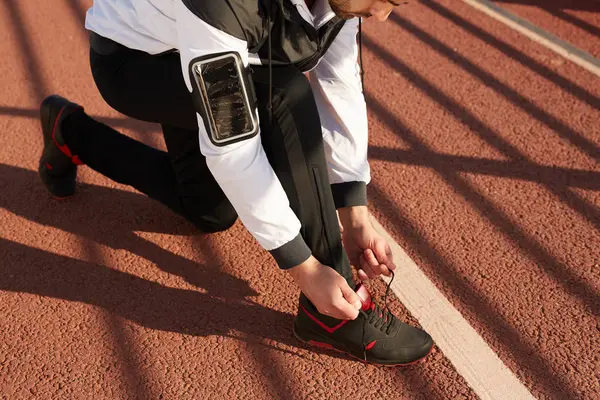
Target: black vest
x=293, y=40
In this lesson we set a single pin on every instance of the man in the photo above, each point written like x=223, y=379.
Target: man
x=248, y=136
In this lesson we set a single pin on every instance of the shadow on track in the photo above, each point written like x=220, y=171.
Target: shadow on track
x=558, y=7
x=562, y=275
x=154, y=306
x=37, y=87
x=97, y=213
x=126, y=123
x=579, y=204
x=559, y=177
x=111, y=217
x=78, y=11
x=582, y=5
x=510, y=51
x=529, y=359
x=555, y=124
x=149, y=304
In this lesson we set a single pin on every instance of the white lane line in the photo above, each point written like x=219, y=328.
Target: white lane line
x=565, y=49
x=484, y=372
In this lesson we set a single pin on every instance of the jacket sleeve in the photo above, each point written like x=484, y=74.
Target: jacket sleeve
x=337, y=87
x=242, y=168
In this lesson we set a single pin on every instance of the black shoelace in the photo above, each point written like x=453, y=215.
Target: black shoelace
x=377, y=317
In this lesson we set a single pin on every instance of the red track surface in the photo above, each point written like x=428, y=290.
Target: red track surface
x=575, y=21
x=485, y=151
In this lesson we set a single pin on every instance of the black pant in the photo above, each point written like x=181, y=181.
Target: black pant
x=151, y=88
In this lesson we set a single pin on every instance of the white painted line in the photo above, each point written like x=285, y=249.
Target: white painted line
x=565, y=49
x=484, y=372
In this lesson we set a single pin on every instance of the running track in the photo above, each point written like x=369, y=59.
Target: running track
x=484, y=148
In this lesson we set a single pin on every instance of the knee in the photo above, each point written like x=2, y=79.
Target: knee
x=216, y=226
x=219, y=221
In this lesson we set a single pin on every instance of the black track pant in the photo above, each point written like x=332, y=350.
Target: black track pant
x=151, y=88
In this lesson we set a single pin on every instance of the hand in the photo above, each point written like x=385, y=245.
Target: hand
x=367, y=250
x=326, y=289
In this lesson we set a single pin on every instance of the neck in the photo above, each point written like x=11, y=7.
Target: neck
x=310, y=3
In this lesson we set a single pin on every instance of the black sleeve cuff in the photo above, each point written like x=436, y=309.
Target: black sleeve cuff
x=292, y=253
x=349, y=194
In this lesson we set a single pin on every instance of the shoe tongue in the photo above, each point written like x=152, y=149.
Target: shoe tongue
x=365, y=296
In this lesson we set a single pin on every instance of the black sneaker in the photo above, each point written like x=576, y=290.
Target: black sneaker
x=375, y=336
x=58, y=165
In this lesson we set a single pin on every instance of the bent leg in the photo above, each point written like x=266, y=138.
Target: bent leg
x=150, y=88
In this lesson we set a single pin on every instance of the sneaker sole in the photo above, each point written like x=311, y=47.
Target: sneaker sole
x=59, y=188
x=329, y=346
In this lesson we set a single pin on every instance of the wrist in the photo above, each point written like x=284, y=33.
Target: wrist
x=354, y=217
x=304, y=268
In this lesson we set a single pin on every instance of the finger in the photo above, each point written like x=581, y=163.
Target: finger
x=350, y=295
x=376, y=268
x=362, y=275
x=344, y=310
x=384, y=255
x=385, y=270
x=382, y=269
x=364, y=265
x=371, y=259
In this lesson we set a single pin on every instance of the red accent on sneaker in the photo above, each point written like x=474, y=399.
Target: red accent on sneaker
x=329, y=346
x=365, y=297
x=49, y=166
x=370, y=345
x=320, y=344
x=321, y=324
x=64, y=148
